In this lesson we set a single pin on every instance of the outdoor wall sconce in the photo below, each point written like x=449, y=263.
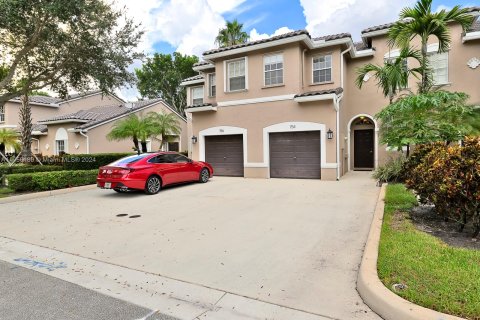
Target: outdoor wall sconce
x=329, y=134
x=194, y=139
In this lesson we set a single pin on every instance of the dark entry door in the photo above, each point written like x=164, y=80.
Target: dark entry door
x=295, y=155
x=363, y=157
x=225, y=154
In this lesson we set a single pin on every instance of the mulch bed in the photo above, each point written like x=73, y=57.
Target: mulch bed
x=427, y=220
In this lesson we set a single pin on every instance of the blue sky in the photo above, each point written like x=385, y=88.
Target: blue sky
x=190, y=26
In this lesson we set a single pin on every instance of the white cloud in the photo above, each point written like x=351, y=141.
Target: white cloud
x=327, y=17
x=254, y=35
x=443, y=7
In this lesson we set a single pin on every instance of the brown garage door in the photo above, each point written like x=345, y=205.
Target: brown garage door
x=225, y=154
x=295, y=155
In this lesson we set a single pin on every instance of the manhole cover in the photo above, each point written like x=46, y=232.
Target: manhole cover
x=135, y=216
x=122, y=215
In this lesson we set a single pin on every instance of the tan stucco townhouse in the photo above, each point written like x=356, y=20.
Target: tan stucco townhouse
x=288, y=106
x=80, y=123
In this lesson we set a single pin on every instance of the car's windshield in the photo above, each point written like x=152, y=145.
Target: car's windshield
x=129, y=160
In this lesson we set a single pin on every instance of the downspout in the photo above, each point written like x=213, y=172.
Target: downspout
x=337, y=108
x=88, y=140
x=303, y=68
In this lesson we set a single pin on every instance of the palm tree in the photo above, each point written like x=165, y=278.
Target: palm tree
x=165, y=125
x=8, y=138
x=393, y=76
x=231, y=35
x=137, y=128
x=421, y=22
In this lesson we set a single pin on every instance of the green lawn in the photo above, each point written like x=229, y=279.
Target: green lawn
x=4, y=192
x=437, y=276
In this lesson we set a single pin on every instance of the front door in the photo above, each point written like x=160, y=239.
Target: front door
x=363, y=157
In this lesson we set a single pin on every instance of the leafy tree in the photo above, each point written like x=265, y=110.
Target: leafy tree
x=40, y=93
x=139, y=129
x=161, y=75
x=428, y=117
x=232, y=34
x=393, y=76
x=8, y=138
x=166, y=125
x=421, y=22
x=61, y=45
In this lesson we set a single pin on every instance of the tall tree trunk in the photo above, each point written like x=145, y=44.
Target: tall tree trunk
x=408, y=150
x=423, y=87
x=144, y=146
x=26, y=125
x=2, y=149
x=135, y=143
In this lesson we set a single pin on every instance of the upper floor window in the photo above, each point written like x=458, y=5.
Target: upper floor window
x=439, y=66
x=273, y=66
x=322, y=68
x=2, y=113
x=197, y=95
x=236, y=75
x=212, y=86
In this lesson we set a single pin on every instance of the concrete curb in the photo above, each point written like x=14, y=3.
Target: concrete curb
x=44, y=194
x=374, y=293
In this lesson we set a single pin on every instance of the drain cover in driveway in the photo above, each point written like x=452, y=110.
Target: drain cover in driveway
x=135, y=216
x=122, y=215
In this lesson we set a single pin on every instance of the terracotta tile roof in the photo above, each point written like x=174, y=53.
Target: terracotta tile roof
x=333, y=37
x=248, y=44
x=201, y=63
x=39, y=127
x=318, y=93
x=98, y=115
x=360, y=46
x=475, y=26
x=54, y=100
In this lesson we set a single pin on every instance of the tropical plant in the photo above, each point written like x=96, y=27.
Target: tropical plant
x=165, y=126
x=391, y=171
x=421, y=22
x=160, y=77
x=428, y=117
x=139, y=129
x=62, y=45
x=231, y=35
x=8, y=138
x=393, y=76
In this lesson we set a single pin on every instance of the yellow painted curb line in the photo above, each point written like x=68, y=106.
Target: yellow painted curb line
x=44, y=194
x=374, y=293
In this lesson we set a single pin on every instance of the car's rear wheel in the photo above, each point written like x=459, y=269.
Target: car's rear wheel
x=153, y=185
x=204, y=175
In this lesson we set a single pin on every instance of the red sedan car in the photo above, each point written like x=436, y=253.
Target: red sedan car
x=152, y=171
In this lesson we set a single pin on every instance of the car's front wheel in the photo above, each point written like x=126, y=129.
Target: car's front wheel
x=153, y=185
x=204, y=175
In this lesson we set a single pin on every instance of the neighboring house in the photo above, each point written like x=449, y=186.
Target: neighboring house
x=288, y=106
x=85, y=131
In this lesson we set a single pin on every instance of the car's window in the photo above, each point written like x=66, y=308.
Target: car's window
x=162, y=158
x=128, y=160
x=178, y=158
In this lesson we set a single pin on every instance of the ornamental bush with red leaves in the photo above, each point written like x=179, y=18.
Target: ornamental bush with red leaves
x=449, y=178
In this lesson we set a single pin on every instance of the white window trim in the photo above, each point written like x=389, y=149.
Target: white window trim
x=283, y=69
x=203, y=95
x=65, y=146
x=331, y=68
x=433, y=49
x=2, y=114
x=225, y=72
x=210, y=84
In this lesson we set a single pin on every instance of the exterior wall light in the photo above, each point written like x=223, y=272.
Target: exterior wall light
x=329, y=134
x=194, y=139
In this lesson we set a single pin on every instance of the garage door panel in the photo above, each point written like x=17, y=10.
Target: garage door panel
x=295, y=155
x=225, y=154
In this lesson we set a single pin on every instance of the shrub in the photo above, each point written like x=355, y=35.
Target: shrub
x=43, y=181
x=5, y=170
x=90, y=161
x=449, y=178
x=391, y=171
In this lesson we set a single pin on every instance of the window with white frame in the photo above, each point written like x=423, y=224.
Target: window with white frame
x=61, y=141
x=212, y=85
x=236, y=79
x=439, y=66
x=197, y=96
x=273, y=67
x=322, y=68
x=2, y=113
x=60, y=147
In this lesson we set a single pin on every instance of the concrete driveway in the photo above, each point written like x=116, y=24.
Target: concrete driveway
x=292, y=243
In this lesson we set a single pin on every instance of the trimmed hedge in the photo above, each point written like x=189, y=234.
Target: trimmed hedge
x=5, y=169
x=43, y=181
x=91, y=161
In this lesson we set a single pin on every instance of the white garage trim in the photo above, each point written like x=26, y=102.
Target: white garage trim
x=375, y=141
x=222, y=131
x=296, y=127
